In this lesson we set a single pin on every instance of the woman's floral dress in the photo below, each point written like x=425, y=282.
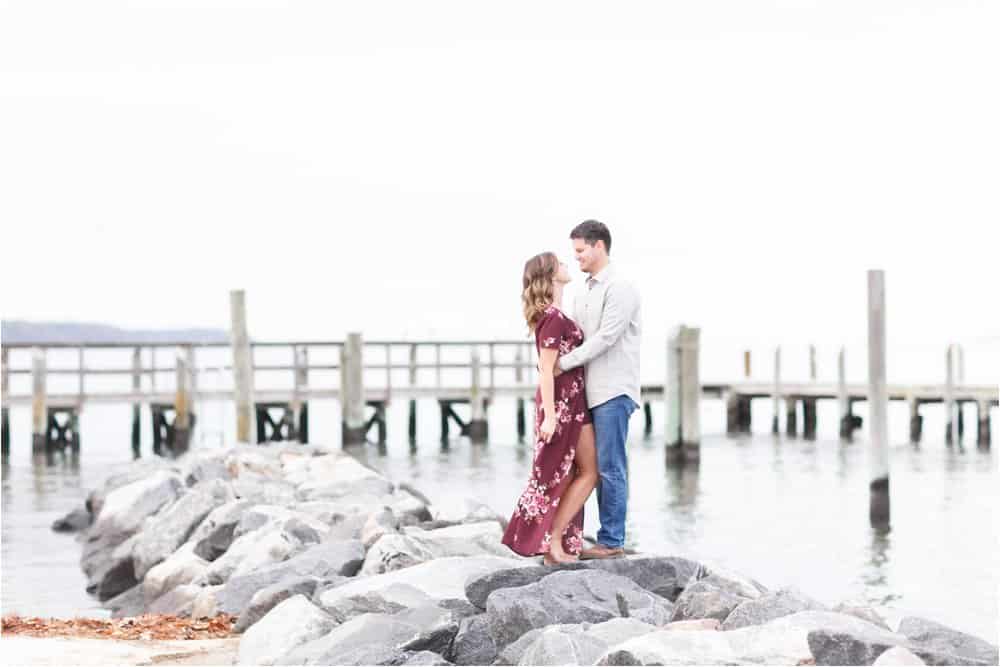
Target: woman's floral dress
x=529, y=532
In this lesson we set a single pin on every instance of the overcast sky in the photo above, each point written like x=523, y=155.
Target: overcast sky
x=389, y=166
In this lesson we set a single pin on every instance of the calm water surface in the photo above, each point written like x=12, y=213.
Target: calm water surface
x=785, y=511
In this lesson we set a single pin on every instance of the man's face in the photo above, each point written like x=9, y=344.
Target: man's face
x=586, y=255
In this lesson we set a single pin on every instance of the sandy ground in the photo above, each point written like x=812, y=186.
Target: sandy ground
x=60, y=651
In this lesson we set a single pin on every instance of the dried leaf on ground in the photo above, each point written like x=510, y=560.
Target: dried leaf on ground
x=147, y=627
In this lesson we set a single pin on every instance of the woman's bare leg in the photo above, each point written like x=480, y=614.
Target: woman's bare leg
x=576, y=494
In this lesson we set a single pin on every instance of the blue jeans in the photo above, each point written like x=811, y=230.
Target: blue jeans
x=610, y=432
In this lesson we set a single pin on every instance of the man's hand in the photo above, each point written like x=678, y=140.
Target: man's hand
x=556, y=371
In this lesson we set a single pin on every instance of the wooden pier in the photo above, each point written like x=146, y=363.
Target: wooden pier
x=268, y=414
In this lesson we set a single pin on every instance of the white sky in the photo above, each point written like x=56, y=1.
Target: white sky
x=389, y=166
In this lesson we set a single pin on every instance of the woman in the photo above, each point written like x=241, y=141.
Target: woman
x=548, y=518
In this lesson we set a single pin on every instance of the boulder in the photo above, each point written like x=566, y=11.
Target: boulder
x=560, y=646
x=473, y=644
x=126, y=508
x=290, y=624
x=73, y=522
x=770, y=606
x=575, y=596
x=327, y=490
x=389, y=600
x=619, y=630
x=182, y=567
x=260, y=490
x=380, y=522
x=270, y=596
x=170, y=528
x=129, y=603
x=694, y=624
x=206, y=468
x=416, y=658
x=214, y=535
x=206, y=604
x=369, y=639
x=414, y=546
x=115, y=573
x=177, y=601
x=250, y=552
x=707, y=598
x=897, y=655
x=863, y=612
x=935, y=642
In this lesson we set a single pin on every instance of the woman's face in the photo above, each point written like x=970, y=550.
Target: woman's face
x=562, y=274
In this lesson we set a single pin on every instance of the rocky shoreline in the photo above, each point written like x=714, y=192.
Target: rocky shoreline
x=323, y=560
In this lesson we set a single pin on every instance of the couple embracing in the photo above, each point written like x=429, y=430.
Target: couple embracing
x=588, y=388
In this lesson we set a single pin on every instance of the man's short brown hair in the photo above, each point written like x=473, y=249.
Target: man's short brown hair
x=592, y=231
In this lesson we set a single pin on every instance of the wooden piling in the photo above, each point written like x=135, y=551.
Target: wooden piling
x=136, y=403
x=352, y=392
x=733, y=413
x=843, y=401
x=684, y=434
x=950, y=428
x=983, y=430
x=916, y=421
x=746, y=364
x=477, y=427
x=300, y=406
x=812, y=363
x=242, y=368
x=4, y=413
x=648, y=414
x=39, y=406
x=776, y=420
x=878, y=403
x=518, y=380
x=411, y=428
x=809, y=418
x=791, y=416
x=183, y=407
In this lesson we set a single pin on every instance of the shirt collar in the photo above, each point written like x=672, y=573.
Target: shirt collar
x=602, y=275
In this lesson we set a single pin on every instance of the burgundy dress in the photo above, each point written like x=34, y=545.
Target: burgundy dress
x=530, y=528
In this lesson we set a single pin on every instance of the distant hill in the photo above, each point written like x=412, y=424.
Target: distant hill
x=19, y=331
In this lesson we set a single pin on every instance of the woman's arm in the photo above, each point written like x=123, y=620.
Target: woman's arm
x=547, y=358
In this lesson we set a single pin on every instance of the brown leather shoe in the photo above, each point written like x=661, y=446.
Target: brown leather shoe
x=600, y=551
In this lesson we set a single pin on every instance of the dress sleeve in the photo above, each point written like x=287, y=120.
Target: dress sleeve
x=550, y=332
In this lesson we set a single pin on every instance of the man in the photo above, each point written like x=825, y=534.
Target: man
x=609, y=314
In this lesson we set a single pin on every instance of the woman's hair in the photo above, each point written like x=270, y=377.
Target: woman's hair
x=539, y=277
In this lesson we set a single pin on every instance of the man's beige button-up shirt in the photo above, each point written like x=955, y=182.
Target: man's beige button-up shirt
x=609, y=313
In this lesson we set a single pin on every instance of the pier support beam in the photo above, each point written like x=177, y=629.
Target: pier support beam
x=916, y=421
x=809, y=418
x=352, y=392
x=737, y=414
x=39, y=408
x=519, y=380
x=300, y=406
x=878, y=403
x=682, y=392
x=776, y=392
x=791, y=416
x=242, y=367
x=478, y=427
x=950, y=420
x=4, y=414
x=136, y=404
x=983, y=430
x=183, y=422
x=411, y=423
x=648, y=414
x=847, y=420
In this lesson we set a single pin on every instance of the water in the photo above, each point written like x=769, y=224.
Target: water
x=787, y=512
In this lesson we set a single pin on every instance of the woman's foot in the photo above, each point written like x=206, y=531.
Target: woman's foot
x=558, y=557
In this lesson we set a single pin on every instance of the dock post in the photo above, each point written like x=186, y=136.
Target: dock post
x=791, y=416
x=136, y=403
x=182, y=402
x=733, y=413
x=683, y=391
x=916, y=421
x=878, y=398
x=812, y=363
x=843, y=401
x=809, y=418
x=746, y=364
x=746, y=415
x=39, y=406
x=983, y=432
x=950, y=429
x=4, y=414
x=518, y=380
x=478, y=426
x=300, y=405
x=411, y=427
x=776, y=420
x=648, y=410
x=352, y=392
x=242, y=367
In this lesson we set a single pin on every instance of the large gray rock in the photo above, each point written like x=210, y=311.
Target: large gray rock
x=897, y=656
x=389, y=600
x=75, y=521
x=864, y=612
x=707, y=598
x=380, y=522
x=177, y=601
x=440, y=579
x=561, y=646
x=417, y=658
x=784, y=640
x=120, y=476
x=214, y=535
x=770, y=606
x=327, y=490
x=935, y=642
x=369, y=639
x=327, y=561
x=170, y=528
x=291, y=623
x=205, y=468
x=571, y=597
x=129, y=603
x=414, y=546
x=126, y=508
x=182, y=567
x=619, y=630
x=115, y=573
x=251, y=552
x=261, y=490
x=269, y=597
x=833, y=647
x=473, y=644
x=665, y=576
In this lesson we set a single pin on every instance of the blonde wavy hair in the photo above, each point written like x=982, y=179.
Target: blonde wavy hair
x=538, y=287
